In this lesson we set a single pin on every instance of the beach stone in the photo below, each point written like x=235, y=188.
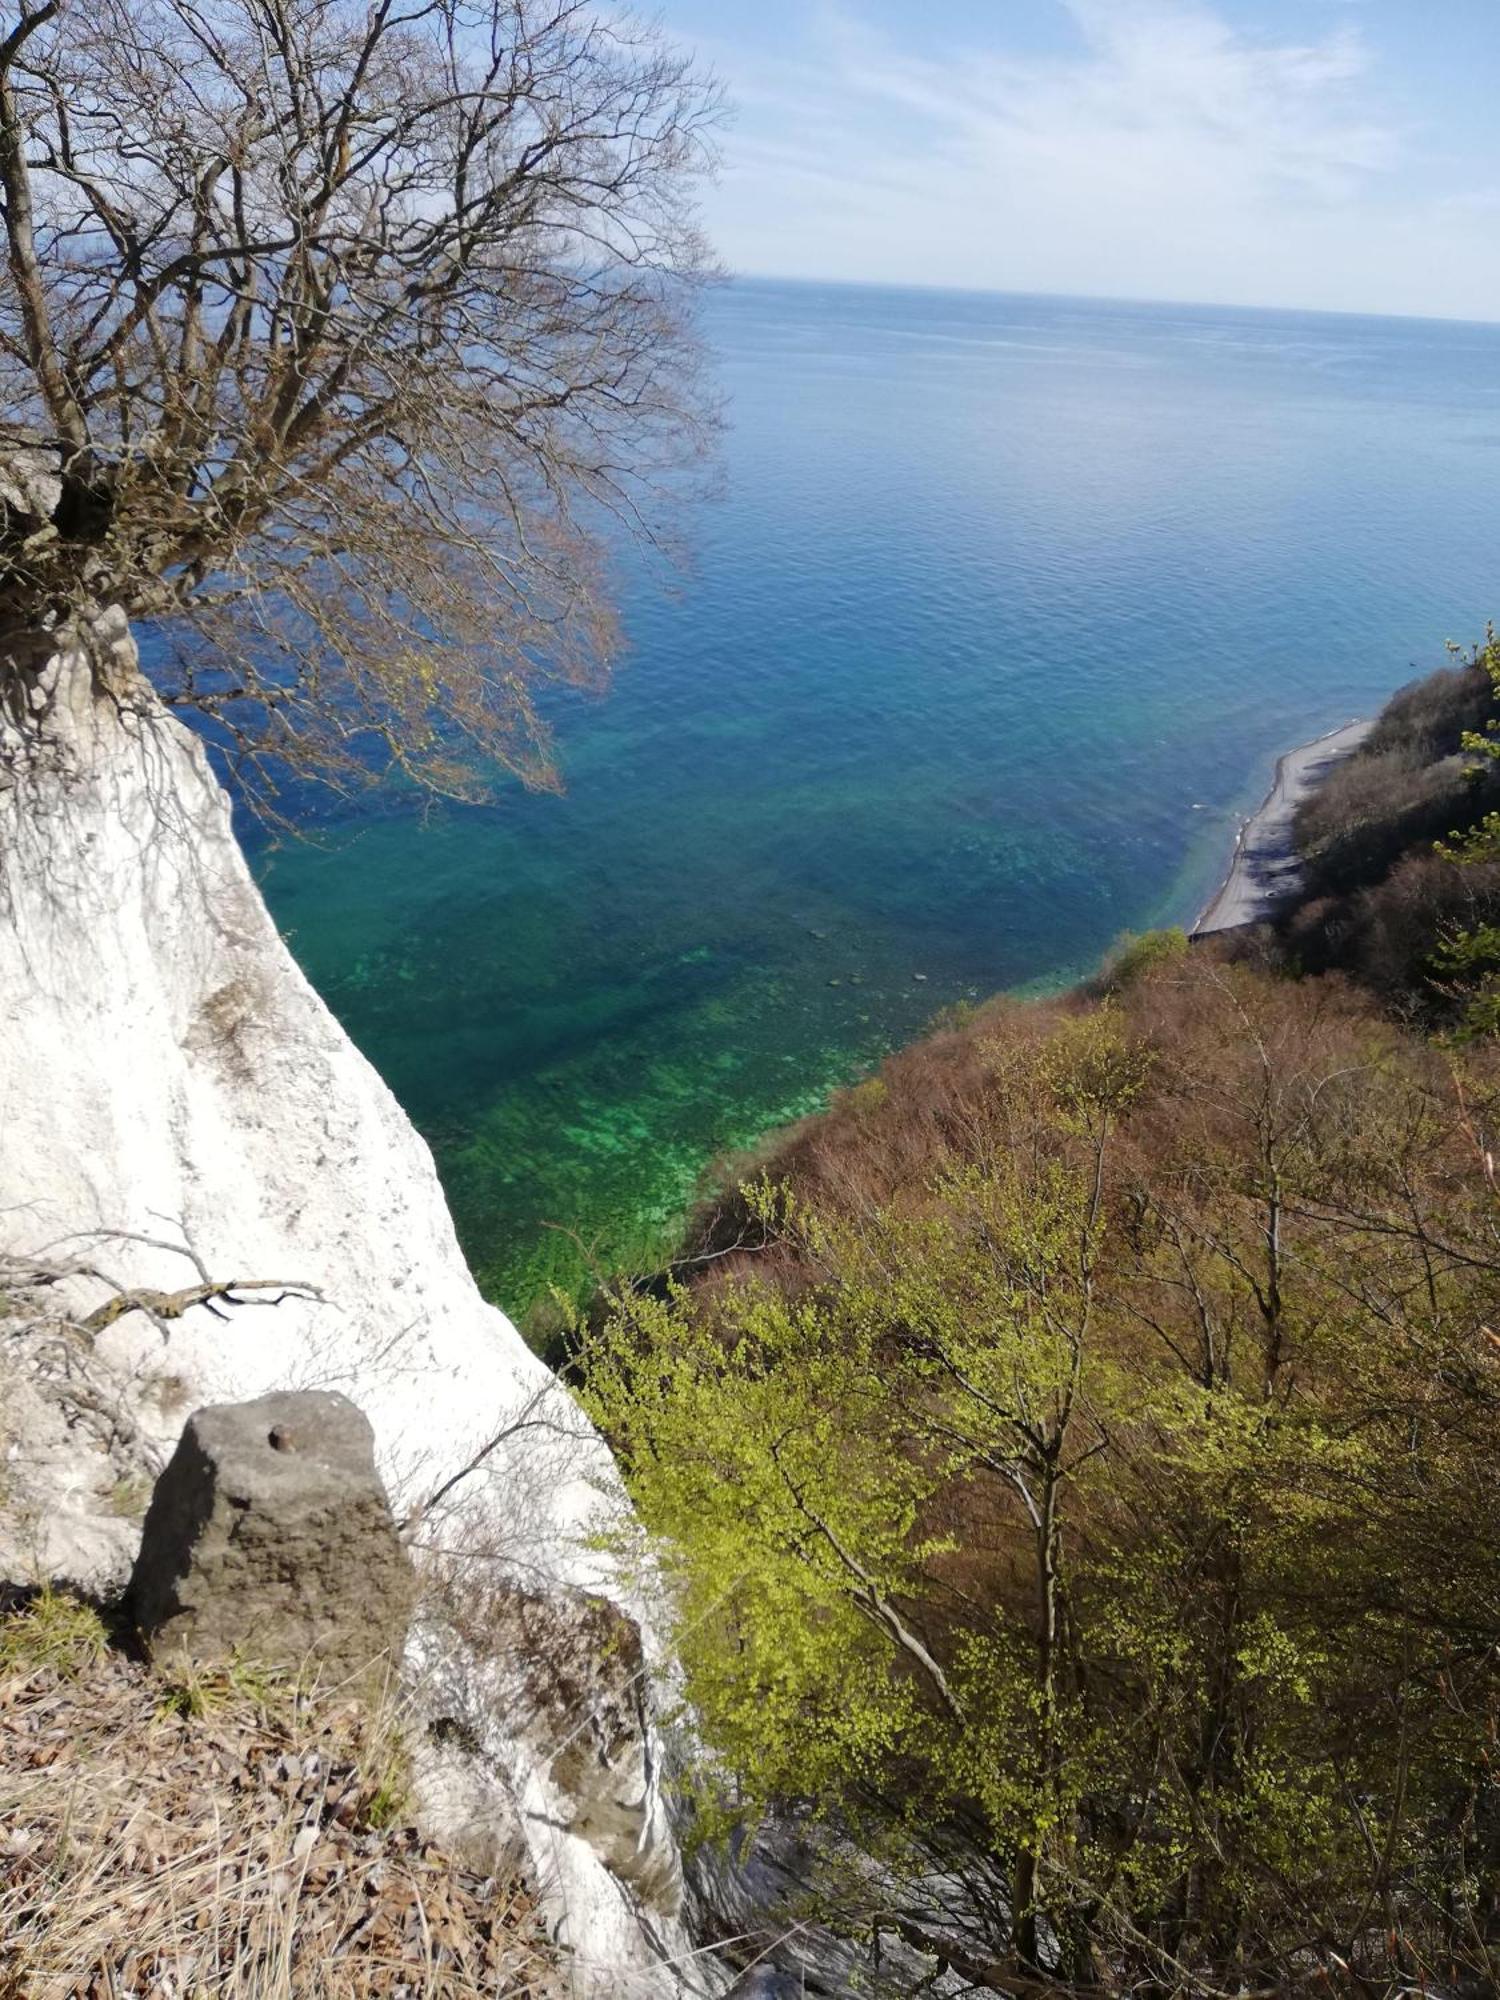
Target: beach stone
x=269, y=1535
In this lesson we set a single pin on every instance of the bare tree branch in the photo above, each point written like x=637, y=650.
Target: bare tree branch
x=351, y=334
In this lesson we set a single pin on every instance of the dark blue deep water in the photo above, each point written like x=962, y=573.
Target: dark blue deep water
x=1007, y=610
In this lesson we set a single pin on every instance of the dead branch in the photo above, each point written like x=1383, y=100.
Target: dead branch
x=172, y=1305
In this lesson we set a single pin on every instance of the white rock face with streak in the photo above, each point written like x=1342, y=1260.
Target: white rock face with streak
x=177, y=1104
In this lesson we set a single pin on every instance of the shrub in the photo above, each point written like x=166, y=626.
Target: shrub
x=1134, y=956
x=1396, y=870
x=1412, y=779
x=1431, y=716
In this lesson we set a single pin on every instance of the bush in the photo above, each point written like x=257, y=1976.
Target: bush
x=1372, y=810
x=1431, y=717
x=1134, y=956
x=1411, y=780
x=890, y=1131
x=1390, y=936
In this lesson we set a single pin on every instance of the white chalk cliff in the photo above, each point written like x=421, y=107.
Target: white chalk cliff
x=178, y=1111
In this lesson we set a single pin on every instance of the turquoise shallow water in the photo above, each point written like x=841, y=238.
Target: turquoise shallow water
x=1007, y=610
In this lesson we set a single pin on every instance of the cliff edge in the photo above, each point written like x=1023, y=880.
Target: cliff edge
x=206, y=1194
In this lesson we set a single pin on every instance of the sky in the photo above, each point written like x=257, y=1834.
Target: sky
x=1327, y=154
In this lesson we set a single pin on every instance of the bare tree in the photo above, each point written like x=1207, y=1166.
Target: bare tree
x=345, y=332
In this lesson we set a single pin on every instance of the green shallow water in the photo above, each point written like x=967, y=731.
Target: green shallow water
x=573, y=1072
x=1008, y=610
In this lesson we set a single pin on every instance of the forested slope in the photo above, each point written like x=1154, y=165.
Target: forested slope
x=1076, y=1453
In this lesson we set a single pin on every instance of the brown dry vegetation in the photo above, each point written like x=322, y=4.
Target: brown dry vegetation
x=1386, y=936
x=1406, y=780
x=223, y=1835
x=889, y=1133
x=1380, y=899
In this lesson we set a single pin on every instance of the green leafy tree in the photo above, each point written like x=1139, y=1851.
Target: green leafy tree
x=1090, y=1507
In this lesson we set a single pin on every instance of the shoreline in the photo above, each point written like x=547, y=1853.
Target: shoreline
x=1263, y=869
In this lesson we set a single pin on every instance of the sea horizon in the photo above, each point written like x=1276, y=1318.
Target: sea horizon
x=1106, y=299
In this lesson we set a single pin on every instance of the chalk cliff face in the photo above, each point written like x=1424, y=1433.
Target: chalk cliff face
x=180, y=1113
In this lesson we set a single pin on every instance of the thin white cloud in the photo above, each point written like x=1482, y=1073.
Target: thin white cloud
x=1167, y=154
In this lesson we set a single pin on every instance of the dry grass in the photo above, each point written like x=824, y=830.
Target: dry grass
x=223, y=1835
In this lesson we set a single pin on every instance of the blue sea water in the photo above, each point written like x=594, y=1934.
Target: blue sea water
x=1007, y=610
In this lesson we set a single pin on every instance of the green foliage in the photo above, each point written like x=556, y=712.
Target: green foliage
x=866, y=1095
x=388, y=1805
x=385, y=1766
x=953, y=1018
x=53, y=1631
x=770, y=1446
x=1133, y=956
x=1119, y=1494
x=1485, y=742
x=194, y=1691
x=1467, y=963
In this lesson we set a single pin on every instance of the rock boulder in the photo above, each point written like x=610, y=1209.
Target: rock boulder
x=269, y=1535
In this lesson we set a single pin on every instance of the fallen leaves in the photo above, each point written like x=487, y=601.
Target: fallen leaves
x=147, y=1855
